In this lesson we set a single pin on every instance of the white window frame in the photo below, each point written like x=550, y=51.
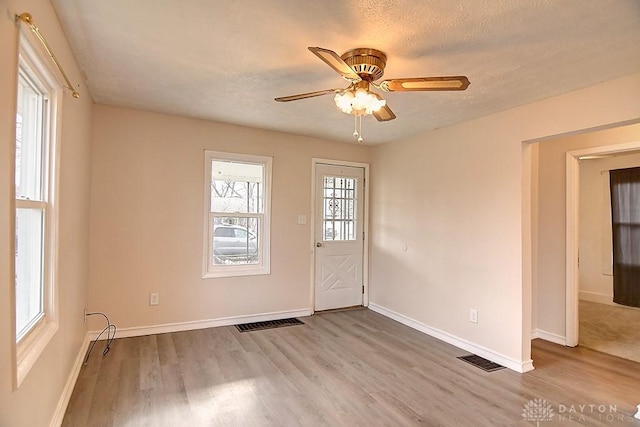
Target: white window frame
x=28, y=348
x=209, y=270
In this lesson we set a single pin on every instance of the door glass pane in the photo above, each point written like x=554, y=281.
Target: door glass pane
x=29, y=128
x=339, y=213
x=236, y=241
x=29, y=268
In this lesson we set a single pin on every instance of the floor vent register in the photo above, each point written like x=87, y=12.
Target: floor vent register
x=481, y=362
x=270, y=324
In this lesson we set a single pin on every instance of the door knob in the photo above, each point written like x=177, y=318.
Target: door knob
x=318, y=245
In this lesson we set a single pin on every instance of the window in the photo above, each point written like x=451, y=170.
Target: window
x=339, y=216
x=237, y=200
x=35, y=222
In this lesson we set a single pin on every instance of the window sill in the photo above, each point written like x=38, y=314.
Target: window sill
x=31, y=347
x=235, y=272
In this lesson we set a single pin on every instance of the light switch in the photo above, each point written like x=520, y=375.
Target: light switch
x=154, y=298
x=302, y=219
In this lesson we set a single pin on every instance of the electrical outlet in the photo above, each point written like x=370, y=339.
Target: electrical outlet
x=154, y=298
x=473, y=315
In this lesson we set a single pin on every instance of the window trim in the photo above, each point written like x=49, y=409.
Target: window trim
x=27, y=350
x=264, y=266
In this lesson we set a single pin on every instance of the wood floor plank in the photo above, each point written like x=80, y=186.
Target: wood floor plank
x=105, y=394
x=149, y=363
x=166, y=349
x=80, y=401
x=128, y=399
x=341, y=368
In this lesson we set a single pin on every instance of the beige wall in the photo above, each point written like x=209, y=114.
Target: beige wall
x=36, y=400
x=454, y=196
x=147, y=218
x=596, y=275
x=552, y=218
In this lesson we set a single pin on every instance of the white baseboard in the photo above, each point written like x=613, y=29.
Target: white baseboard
x=138, y=331
x=548, y=336
x=596, y=297
x=63, y=402
x=503, y=360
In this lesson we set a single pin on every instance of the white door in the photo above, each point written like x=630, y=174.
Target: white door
x=339, y=239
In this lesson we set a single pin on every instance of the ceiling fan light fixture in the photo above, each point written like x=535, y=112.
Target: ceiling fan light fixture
x=344, y=100
x=360, y=102
x=362, y=67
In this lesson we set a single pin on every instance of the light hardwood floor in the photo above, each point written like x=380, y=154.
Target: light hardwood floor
x=340, y=369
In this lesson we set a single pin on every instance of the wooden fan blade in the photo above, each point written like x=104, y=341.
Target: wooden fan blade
x=334, y=61
x=307, y=95
x=384, y=114
x=425, y=83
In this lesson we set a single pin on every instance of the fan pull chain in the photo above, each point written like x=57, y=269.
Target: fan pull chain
x=355, y=127
x=360, y=139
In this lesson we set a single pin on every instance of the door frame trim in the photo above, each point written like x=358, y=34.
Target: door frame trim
x=365, y=244
x=572, y=231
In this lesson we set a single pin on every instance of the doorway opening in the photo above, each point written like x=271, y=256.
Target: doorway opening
x=573, y=294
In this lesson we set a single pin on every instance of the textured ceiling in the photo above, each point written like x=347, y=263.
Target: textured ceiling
x=226, y=60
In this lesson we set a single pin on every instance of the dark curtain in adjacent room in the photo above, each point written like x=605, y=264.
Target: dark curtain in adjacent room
x=625, y=221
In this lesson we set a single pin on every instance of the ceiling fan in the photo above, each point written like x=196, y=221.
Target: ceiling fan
x=361, y=68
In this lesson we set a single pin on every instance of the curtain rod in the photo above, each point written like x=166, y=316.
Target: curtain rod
x=28, y=19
